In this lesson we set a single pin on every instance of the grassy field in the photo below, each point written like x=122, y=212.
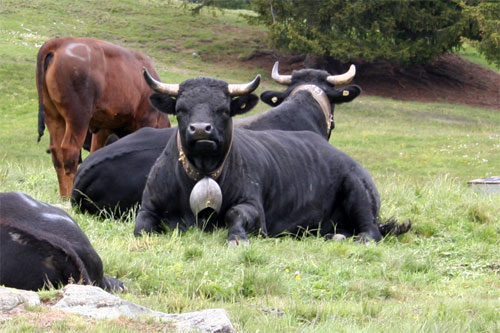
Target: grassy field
x=442, y=276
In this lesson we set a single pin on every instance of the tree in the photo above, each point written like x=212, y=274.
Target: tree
x=406, y=32
x=487, y=38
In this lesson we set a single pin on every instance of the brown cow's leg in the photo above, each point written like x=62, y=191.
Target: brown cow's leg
x=57, y=128
x=99, y=139
x=71, y=146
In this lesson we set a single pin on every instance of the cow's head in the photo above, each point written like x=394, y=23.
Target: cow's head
x=318, y=78
x=204, y=108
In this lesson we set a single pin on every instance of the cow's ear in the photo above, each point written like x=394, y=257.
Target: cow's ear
x=243, y=104
x=346, y=94
x=272, y=98
x=163, y=103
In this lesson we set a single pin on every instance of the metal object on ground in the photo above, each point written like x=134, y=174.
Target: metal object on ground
x=490, y=185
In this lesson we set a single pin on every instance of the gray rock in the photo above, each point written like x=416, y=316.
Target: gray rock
x=11, y=298
x=96, y=303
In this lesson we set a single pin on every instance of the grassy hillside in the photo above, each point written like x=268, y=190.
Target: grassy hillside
x=470, y=53
x=442, y=276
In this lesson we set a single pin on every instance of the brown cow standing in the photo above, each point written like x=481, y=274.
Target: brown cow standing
x=85, y=84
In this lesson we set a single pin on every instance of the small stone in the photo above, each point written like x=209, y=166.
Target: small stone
x=11, y=298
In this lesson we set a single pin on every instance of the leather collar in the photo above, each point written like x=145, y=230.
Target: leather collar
x=322, y=99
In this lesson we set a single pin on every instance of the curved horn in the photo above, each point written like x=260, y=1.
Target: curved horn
x=342, y=79
x=283, y=79
x=244, y=88
x=164, y=88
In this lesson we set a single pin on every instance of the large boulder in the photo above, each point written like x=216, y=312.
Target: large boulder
x=96, y=303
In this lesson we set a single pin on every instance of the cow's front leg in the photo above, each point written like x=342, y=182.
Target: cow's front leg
x=147, y=222
x=241, y=219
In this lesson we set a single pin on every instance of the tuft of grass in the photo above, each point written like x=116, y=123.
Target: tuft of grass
x=479, y=214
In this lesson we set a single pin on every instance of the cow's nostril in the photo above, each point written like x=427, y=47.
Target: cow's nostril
x=192, y=128
x=208, y=128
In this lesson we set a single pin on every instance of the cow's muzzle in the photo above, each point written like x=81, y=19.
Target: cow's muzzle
x=201, y=136
x=200, y=131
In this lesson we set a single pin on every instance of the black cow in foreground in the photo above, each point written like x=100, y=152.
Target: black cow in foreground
x=112, y=179
x=42, y=246
x=272, y=181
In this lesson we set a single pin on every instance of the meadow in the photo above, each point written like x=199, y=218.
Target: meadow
x=444, y=275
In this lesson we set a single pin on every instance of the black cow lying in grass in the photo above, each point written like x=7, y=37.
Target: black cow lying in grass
x=272, y=181
x=42, y=246
x=113, y=178
x=307, y=104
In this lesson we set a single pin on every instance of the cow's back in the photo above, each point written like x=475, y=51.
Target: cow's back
x=105, y=78
x=42, y=220
x=125, y=91
x=114, y=176
x=294, y=114
x=38, y=234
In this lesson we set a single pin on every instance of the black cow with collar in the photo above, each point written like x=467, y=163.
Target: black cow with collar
x=307, y=104
x=112, y=179
x=42, y=246
x=272, y=181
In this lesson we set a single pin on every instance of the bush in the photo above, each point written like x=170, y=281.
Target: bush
x=406, y=32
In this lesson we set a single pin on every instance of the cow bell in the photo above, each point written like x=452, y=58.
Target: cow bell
x=205, y=194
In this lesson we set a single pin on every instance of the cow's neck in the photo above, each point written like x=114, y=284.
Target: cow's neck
x=192, y=171
x=322, y=99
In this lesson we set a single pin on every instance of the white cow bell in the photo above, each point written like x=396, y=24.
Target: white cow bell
x=205, y=194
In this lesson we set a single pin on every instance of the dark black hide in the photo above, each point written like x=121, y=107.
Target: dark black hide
x=41, y=245
x=113, y=177
x=272, y=181
x=301, y=108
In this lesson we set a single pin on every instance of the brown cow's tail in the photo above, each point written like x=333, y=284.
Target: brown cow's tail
x=392, y=227
x=42, y=63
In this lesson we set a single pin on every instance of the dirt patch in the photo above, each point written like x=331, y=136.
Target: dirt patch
x=449, y=79
x=45, y=319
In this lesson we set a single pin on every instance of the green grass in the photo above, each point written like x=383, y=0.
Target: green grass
x=470, y=53
x=442, y=276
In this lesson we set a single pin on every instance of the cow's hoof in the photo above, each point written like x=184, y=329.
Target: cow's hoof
x=64, y=206
x=114, y=285
x=339, y=237
x=364, y=238
x=336, y=237
x=234, y=243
